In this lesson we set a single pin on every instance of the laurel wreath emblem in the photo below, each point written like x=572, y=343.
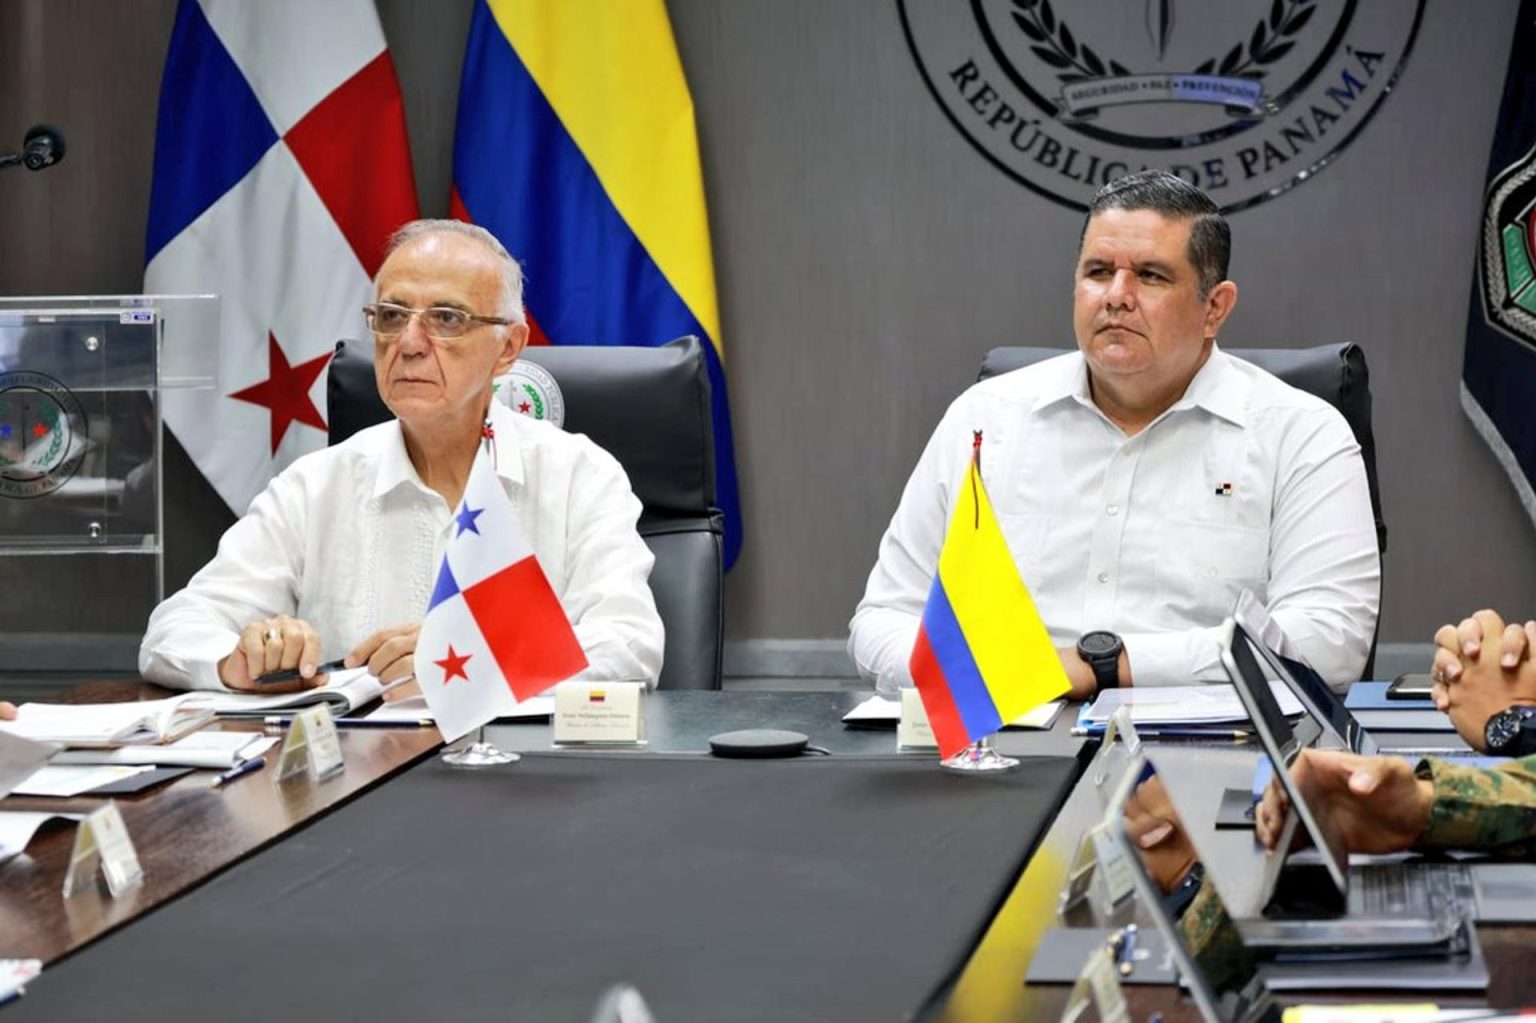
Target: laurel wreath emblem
x=538, y=400
x=45, y=462
x=1056, y=45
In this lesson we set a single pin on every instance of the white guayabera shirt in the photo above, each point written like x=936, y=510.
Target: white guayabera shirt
x=1245, y=483
x=349, y=539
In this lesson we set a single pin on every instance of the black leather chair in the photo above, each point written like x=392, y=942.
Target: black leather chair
x=1336, y=373
x=649, y=408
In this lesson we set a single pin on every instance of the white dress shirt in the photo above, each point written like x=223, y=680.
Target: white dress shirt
x=1245, y=483
x=349, y=539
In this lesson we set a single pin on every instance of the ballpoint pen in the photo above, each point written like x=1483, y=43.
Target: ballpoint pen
x=287, y=674
x=240, y=770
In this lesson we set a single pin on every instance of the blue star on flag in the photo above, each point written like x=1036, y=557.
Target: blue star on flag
x=5, y=431
x=466, y=520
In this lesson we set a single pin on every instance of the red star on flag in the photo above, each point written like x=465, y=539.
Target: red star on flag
x=286, y=391
x=453, y=665
x=39, y=430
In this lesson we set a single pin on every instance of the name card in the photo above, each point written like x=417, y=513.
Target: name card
x=311, y=746
x=1119, y=725
x=1114, y=868
x=1099, y=983
x=599, y=713
x=102, y=842
x=913, y=730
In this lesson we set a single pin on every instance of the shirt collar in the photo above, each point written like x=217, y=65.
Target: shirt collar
x=1216, y=387
x=395, y=466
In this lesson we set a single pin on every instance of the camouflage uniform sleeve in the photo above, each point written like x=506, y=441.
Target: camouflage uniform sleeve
x=1213, y=941
x=1481, y=807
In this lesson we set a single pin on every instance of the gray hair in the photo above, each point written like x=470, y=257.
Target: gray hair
x=511, y=306
x=1210, y=239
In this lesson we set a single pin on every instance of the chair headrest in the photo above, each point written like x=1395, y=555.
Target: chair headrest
x=647, y=406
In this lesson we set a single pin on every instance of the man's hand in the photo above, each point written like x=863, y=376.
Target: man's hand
x=274, y=644
x=1154, y=825
x=1372, y=804
x=389, y=654
x=1473, y=682
x=7, y=711
x=1080, y=673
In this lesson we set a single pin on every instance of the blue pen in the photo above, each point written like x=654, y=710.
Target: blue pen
x=240, y=770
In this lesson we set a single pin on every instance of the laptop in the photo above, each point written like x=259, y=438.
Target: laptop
x=1325, y=707
x=1227, y=969
x=1224, y=979
x=1488, y=893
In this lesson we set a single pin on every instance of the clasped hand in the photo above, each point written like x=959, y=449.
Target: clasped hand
x=281, y=643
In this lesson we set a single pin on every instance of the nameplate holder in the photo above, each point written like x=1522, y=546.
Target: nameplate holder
x=102, y=846
x=913, y=732
x=311, y=748
x=1098, y=986
x=599, y=714
x=1079, y=876
x=1119, y=726
x=1114, y=868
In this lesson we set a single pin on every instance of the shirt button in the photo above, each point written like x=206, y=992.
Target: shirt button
x=1103, y=577
x=1113, y=509
x=1211, y=572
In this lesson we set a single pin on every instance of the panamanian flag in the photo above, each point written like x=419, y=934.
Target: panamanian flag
x=576, y=147
x=494, y=632
x=1498, y=389
x=281, y=168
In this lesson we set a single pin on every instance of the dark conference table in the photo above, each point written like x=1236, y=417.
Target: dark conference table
x=211, y=855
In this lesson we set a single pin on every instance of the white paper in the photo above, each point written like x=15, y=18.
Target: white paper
x=218, y=750
x=1183, y=705
x=878, y=709
x=14, y=974
x=17, y=829
x=343, y=690
x=19, y=760
x=72, y=780
x=102, y=723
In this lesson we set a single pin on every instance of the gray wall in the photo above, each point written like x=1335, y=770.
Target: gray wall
x=867, y=257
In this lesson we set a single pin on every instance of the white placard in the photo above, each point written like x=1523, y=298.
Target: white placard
x=599, y=713
x=1079, y=876
x=1119, y=882
x=1119, y=726
x=311, y=747
x=912, y=729
x=102, y=841
x=1099, y=982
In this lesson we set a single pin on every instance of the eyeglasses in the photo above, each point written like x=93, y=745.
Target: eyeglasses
x=440, y=322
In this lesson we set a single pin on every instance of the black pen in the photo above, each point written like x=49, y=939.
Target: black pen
x=288, y=674
x=240, y=770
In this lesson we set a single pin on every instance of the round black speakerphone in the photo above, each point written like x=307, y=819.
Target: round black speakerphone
x=758, y=743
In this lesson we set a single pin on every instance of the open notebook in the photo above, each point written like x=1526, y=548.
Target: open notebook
x=345, y=691
x=111, y=724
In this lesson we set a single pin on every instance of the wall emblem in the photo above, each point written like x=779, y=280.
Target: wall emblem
x=1508, y=253
x=528, y=389
x=1244, y=99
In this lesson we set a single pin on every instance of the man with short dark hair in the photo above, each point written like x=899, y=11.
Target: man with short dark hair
x=1146, y=480
x=339, y=554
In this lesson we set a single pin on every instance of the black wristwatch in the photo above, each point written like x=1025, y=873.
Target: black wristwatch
x=1511, y=732
x=1101, y=649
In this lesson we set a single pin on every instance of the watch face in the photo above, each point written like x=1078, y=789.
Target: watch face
x=1500, y=729
x=1096, y=644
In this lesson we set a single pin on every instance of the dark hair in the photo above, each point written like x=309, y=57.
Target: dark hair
x=1210, y=239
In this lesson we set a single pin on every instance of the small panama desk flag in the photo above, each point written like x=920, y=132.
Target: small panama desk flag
x=982, y=656
x=494, y=632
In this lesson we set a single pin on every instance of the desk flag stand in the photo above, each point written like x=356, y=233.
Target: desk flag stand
x=979, y=756
x=479, y=753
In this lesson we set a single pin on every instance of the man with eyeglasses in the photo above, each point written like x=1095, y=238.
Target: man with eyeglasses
x=337, y=555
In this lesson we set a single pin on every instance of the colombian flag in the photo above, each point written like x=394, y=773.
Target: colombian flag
x=982, y=655
x=575, y=146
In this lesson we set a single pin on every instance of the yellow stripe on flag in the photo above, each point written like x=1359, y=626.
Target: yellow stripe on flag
x=610, y=71
x=1008, y=641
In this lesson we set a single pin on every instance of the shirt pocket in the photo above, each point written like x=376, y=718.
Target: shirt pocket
x=1203, y=567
